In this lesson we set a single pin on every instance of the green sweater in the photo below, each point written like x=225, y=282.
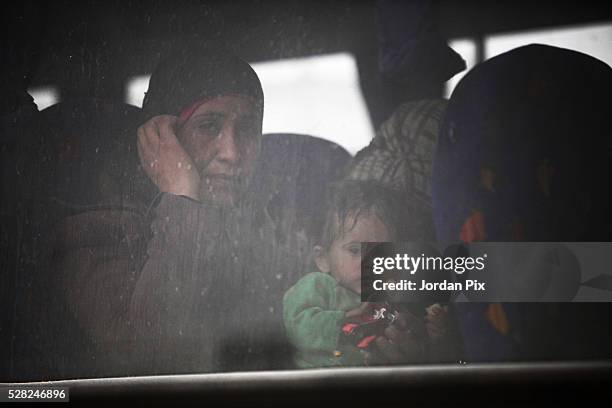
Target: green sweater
x=313, y=311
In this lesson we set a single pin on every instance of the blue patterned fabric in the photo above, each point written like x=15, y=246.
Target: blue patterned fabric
x=525, y=145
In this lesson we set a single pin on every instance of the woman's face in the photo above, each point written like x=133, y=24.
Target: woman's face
x=222, y=137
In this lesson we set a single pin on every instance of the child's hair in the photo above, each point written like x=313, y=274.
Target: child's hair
x=350, y=198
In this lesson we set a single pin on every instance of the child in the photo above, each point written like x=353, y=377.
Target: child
x=316, y=307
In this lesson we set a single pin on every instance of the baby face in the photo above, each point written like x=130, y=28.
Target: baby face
x=343, y=259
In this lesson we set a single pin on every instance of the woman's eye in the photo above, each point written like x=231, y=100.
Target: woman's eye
x=209, y=128
x=246, y=129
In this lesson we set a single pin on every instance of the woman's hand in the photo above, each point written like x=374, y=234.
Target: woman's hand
x=164, y=160
x=403, y=342
x=443, y=339
x=437, y=321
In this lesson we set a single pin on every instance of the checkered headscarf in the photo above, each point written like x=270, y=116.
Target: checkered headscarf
x=400, y=157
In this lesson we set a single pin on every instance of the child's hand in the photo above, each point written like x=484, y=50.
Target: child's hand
x=437, y=321
x=363, y=308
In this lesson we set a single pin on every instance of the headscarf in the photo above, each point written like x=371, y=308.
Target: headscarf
x=189, y=77
x=536, y=119
x=400, y=158
x=531, y=110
